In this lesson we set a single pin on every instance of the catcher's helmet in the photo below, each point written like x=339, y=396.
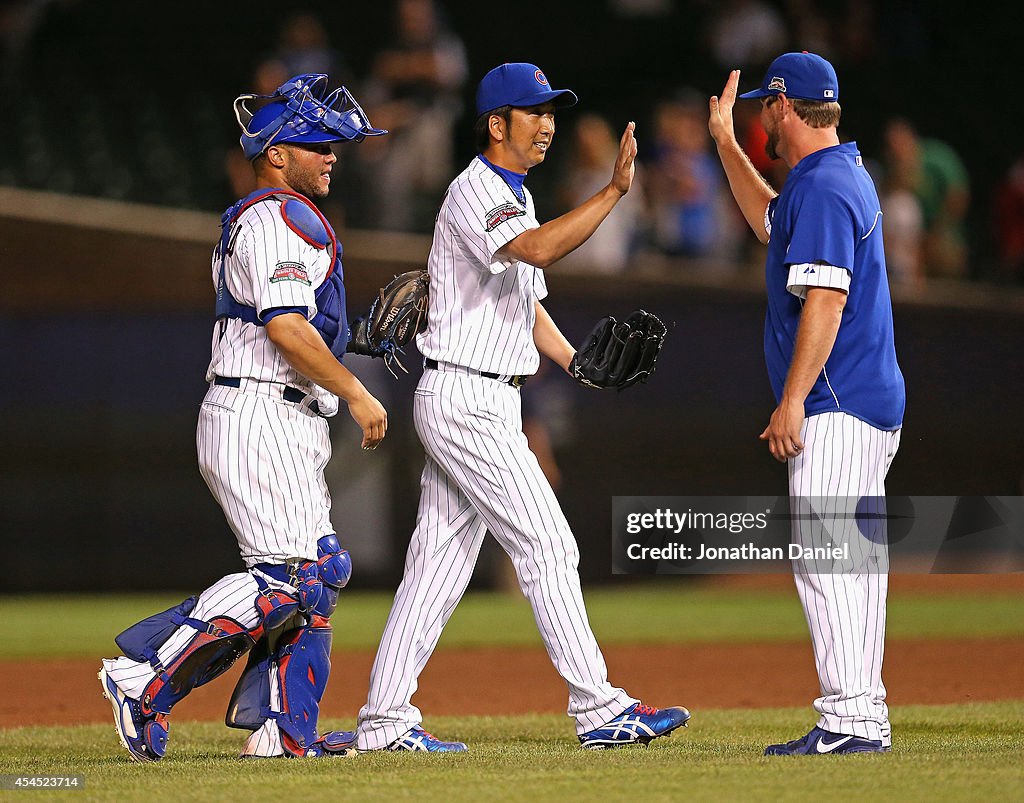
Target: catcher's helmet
x=300, y=110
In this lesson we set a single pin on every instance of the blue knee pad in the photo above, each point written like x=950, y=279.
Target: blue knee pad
x=333, y=562
x=320, y=582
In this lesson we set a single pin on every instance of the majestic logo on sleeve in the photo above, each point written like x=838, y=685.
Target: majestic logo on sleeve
x=290, y=272
x=500, y=214
x=777, y=83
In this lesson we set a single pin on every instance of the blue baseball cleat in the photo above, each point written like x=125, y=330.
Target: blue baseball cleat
x=341, y=744
x=638, y=724
x=822, y=742
x=144, y=737
x=418, y=740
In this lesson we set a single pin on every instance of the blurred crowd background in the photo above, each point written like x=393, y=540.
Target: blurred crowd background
x=103, y=100
x=120, y=150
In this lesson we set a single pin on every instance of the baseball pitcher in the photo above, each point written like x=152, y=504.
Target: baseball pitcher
x=486, y=329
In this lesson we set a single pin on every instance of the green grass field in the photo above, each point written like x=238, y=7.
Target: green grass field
x=942, y=753
x=973, y=752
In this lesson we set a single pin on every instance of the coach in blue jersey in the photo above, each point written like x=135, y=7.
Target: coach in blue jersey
x=831, y=359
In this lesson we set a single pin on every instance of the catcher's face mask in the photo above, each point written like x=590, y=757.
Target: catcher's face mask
x=300, y=110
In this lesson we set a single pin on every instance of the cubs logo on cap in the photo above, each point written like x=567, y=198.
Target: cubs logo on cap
x=518, y=84
x=804, y=75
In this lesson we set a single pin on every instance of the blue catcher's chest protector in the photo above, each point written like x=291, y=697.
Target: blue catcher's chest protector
x=331, y=319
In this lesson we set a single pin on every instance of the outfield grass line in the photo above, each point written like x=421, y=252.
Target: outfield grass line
x=81, y=625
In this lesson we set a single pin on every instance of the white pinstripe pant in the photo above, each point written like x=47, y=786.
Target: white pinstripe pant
x=481, y=476
x=843, y=459
x=263, y=459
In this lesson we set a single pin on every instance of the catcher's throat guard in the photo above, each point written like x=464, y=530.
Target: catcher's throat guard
x=301, y=110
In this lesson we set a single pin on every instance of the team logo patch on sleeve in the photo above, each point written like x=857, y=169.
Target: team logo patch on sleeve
x=500, y=214
x=290, y=272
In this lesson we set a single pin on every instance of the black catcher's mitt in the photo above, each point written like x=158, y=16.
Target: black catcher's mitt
x=396, y=316
x=618, y=354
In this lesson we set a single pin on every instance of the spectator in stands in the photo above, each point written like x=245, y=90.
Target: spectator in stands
x=1008, y=217
x=810, y=27
x=267, y=77
x=19, y=21
x=938, y=178
x=745, y=34
x=902, y=221
x=414, y=90
x=686, y=183
x=305, y=47
x=595, y=146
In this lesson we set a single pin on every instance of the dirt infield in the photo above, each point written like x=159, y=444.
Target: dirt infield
x=508, y=681
x=516, y=681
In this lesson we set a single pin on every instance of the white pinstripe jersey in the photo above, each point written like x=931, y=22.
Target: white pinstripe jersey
x=268, y=267
x=481, y=312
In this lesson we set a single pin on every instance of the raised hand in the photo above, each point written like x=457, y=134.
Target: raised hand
x=720, y=121
x=622, y=177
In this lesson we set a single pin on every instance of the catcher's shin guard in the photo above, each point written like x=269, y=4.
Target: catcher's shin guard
x=303, y=660
x=302, y=657
x=216, y=645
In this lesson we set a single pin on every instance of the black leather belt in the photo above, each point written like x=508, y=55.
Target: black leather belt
x=282, y=572
x=289, y=394
x=516, y=381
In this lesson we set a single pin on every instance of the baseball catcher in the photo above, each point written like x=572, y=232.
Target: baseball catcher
x=262, y=441
x=396, y=316
x=618, y=354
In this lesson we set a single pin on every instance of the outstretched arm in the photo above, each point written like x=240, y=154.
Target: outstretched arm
x=748, y=186
x=556, y=238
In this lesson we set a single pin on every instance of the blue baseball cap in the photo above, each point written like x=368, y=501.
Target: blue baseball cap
x=518, y=84
x=806, y=76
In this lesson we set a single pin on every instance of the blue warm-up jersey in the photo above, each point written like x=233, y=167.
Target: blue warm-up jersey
x=826, y=231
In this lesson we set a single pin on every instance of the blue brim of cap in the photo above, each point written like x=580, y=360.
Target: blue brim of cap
x=324, y=136
x=757, y=93
x=561, y=97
